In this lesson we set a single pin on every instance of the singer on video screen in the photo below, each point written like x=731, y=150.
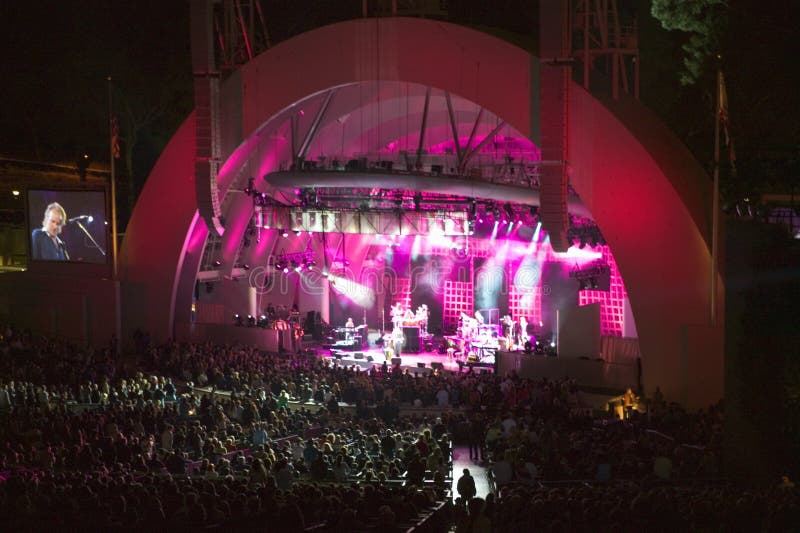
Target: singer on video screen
x=47, y=244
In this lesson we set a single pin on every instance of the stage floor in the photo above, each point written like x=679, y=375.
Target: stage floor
x=368, y=357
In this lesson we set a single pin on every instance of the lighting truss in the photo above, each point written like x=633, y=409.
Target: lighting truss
x=297, y=261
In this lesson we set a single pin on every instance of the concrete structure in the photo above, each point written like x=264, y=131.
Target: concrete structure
x=639, y=183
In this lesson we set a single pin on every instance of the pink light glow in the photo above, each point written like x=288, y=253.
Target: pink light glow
x=515, y=144
x=578, y=256
x=355, y=292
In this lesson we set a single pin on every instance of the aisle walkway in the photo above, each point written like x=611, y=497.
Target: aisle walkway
x=461, y=461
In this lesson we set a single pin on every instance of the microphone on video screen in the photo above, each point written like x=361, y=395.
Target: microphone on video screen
x=87, y=218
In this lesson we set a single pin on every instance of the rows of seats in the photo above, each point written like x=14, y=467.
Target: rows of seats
x=227, y=436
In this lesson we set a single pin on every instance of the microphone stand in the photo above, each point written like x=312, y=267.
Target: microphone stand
x=99, y=248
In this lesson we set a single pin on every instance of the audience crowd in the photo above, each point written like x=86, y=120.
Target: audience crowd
x=200, y=435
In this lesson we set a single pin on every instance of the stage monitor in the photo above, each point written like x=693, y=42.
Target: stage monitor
x=69, y=226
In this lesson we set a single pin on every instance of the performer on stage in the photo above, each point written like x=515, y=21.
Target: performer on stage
x=396, y=312
x=521, y=332
x=398, y=340
x=507, y=326
x=45, y=241
x=422, y=318
x=388, y=346
x=479, y=317
x=350, y=323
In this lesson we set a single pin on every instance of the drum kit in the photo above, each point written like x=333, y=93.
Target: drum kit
x=403, y=318
x=406, y=318
x=475, y=339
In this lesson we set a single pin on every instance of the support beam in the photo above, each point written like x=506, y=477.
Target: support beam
x=293, y=133
x=312, y=131
x=245, y=30
x=418, y=162
x=474, y=130
x=281, y=181
x=453, y=126
x=481, y=144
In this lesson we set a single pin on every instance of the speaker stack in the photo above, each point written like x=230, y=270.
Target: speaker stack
x=412, y=339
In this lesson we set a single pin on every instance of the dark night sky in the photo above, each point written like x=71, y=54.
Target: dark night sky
x=56, y=59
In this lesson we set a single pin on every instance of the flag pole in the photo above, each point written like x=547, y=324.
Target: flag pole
x=112, y=154
x=715, y=202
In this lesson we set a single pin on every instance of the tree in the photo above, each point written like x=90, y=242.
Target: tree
x=703, y=20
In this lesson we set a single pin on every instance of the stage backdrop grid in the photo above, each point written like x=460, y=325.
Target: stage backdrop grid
x=525, y=302
x=612, y=302
x=403, y=292
x=458, y=298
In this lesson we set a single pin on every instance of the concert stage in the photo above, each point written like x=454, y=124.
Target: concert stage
x=591, y=373
x=423, y=361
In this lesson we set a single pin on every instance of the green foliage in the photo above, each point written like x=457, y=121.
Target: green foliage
x=703, y=20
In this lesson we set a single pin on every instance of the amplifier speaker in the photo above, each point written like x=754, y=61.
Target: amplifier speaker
x=358, y=355
x=412, y=340
x=436, y=365
x=396, y=361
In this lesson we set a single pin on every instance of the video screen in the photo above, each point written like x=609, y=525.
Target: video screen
x=68, y=225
